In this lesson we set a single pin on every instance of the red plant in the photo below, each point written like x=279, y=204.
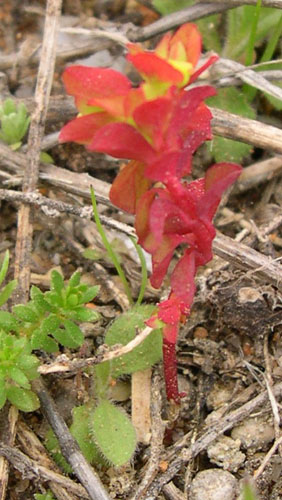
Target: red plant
x=158, y=127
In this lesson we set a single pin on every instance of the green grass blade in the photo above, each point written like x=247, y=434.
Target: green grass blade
x=144, y=273
x=252, y=39
x=272, y=42
x=109, y=249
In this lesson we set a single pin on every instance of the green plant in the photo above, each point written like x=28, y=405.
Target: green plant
x=50, y=318
x=14, y=123
x=235, y=35
x=45, y=496
x=248, y=492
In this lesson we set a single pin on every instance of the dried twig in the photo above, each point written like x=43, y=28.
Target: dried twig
x=140, y=404
x=69, y=446
x=158, y=428
x=42, y=92
x=235, y=3
x=63, y=364
x=32, y=446
x=212, y=433
x=31, y=469
x=9, y=416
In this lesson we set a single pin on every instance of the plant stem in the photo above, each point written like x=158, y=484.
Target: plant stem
x=144, y=274
x=109, y=249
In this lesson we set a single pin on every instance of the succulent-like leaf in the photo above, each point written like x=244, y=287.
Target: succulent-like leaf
x=23, y=399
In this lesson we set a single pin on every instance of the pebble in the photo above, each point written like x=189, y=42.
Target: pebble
x=225, y=452
x=214, y=484
x=254, y=433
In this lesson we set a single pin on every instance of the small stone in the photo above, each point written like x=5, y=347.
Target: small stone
x=255, y=433
x=214, y=484
x=220, y=395
x=225, y=452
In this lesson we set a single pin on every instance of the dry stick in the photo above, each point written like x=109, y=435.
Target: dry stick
x=69, y=446
x=269, y=384
x=244, y=258
x=42, y=93
x=31, y=469
x=25, y=229
x=212, y=433
x=236, y=253
x=21, y=60
x=63, y=364
x=267, y=457
x=140, y=404
x=8, y=435
x=235, y=3
x=243, y=129
x=158, y=429
x=32, y=446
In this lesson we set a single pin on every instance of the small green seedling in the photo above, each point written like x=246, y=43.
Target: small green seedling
x=50, y=318
x=14, y=123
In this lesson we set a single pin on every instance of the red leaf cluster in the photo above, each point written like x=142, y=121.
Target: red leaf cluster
x=158, y=127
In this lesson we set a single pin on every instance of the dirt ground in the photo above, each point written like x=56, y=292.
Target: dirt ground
x=229, y=352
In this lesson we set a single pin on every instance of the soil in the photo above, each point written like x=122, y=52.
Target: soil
x=229, y=352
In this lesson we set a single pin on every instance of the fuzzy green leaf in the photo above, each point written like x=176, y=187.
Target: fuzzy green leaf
x=50, y=324
x=8, y=321
x=19, y=377
x=57, y=282
x=7, y=291
x=80, y=431
x=71, y=337
x=25, y=313
x=89, y=294
x=113, y=433
x=123, y=330
x=83, y=314
x=23, y=399
x=74, y=279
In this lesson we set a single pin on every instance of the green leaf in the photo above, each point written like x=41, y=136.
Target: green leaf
x=83, y=314
x=57, y=282
x=71, y=337
x=166, y=7
x=7, y=291
x=8, y=321
x=80, y=431
x=50, y=324
x=46, y=158
x=46, y=496
x=89, y=294
x=113, y=433
x=230, y=99
x=4, y=266
x=25, y=313
x=23, y=399
x=123, y=330
x=19, y=377
x=74, y=279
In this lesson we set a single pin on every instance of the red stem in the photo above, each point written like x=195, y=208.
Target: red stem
x=170, y=371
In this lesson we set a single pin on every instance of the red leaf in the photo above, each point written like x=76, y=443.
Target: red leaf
x=83, y=128
x=87, y=82
x=122, y=141
x=152, y=66
x=128, y=187
x=188, y=35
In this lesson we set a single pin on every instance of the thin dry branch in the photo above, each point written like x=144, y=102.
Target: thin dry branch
x=249, y=131
x=224, y=424
x=69, y=446
x=33, y=470
x=235, y=3
x=32, y=446
x=42, y=93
